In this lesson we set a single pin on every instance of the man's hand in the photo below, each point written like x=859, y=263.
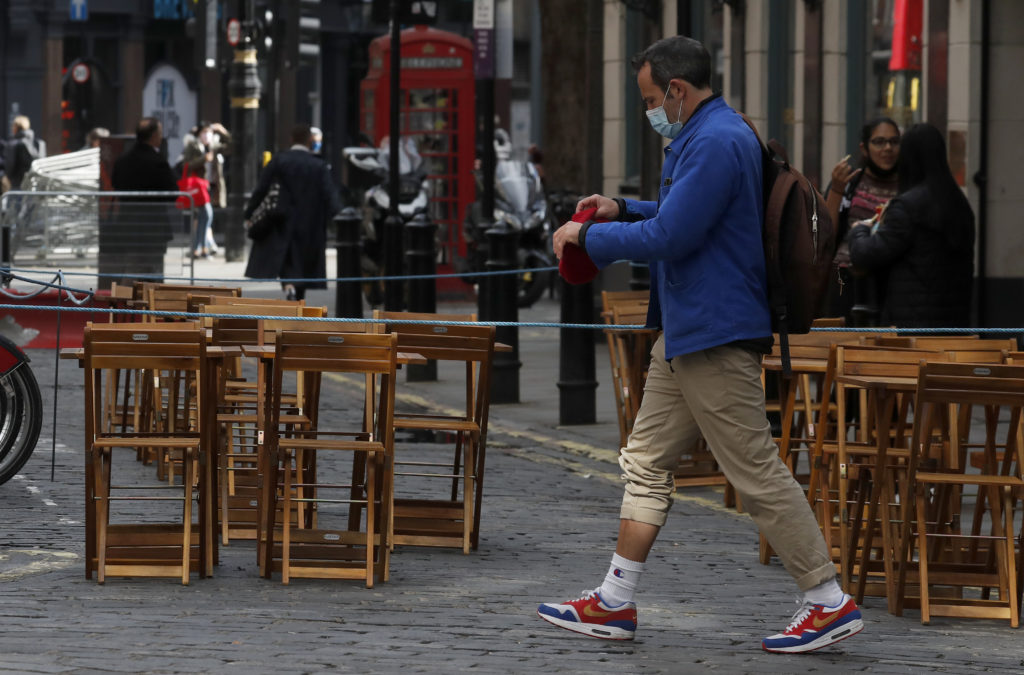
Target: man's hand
x=569, y=233
x=607, y=209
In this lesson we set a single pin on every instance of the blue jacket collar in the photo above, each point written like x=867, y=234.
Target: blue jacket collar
x=704, y=109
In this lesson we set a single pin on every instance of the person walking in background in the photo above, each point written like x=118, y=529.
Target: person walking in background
x=142, y=228
x=857, y=194
x=193, y=180
x=298, y=248
x=702, y=239
x=923, y=242
x=21, y=150
x=95, y=135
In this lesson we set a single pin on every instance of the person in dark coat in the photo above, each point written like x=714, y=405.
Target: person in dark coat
x=21, y=150
x=923, y=241
x=297, y=248
x=136, y=239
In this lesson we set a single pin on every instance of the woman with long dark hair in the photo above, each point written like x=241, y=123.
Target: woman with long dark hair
x=924, y=240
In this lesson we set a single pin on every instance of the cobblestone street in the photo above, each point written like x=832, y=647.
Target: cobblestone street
x=549, y=516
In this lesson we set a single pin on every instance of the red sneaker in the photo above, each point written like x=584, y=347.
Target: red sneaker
x=591, y=616
x=816, y=626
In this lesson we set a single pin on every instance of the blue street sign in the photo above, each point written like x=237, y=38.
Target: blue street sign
x=79, y=10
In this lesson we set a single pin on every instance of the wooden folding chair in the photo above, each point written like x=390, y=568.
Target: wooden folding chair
x=626, y=353
x=330, y=552
x=453, y=520
x=238, y=414
x=947, y=556
x=146, y=548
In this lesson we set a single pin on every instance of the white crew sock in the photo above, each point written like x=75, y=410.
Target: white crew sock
x=828, y=594
x=621, y=581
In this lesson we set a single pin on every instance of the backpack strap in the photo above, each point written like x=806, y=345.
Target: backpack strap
x=785, y=183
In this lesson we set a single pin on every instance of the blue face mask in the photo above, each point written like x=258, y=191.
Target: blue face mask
x=659, y=120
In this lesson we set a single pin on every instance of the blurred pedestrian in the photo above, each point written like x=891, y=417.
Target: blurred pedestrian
x=296, y=249
x=193, y=180
x=95, y=135
x=143, y=225
x=21, y=150
x=858, y=194
x=923, y=241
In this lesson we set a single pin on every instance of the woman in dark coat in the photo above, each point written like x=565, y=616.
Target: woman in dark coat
x=923, y=242
x=298, y=248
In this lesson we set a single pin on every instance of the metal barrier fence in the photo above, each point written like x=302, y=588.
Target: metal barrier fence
x=118, y=233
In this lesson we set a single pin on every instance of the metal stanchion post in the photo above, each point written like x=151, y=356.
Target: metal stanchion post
x=348, y=297
x=421, y=260
x=502, y=245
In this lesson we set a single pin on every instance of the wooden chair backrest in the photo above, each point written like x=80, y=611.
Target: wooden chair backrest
x=382, y=315
x=636, y=300
x=1011, y=357
x=882, y=361
x=179, y=346
x=829, y=322
x=976, y=384
x=173, y=298
x=368, y=353
x=246, y=300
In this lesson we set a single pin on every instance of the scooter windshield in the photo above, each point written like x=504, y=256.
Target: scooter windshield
x=514, y=185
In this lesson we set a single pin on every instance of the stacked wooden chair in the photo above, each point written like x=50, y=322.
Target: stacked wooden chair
x=358, y=548
x=449, y=516
x=143, y=547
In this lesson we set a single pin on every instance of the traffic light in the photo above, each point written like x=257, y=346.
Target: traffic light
x=303, y=33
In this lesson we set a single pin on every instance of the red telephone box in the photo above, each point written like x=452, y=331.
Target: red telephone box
x=438, y=110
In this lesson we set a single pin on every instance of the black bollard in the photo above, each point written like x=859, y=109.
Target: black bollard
x=348, y=296
x=500, y=305
x=577, y=384
x=394, y=290
x=421, y=260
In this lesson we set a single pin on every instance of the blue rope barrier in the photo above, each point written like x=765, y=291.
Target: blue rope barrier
x=499, y=324
x=402, y=277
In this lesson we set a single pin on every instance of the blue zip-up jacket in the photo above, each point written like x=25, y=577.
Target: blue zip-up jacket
x=702, y=238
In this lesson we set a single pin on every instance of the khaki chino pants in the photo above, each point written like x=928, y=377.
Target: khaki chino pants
x=717, y=393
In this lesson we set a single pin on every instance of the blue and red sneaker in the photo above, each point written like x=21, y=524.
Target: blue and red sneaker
x=591, y=616
x=816, y=626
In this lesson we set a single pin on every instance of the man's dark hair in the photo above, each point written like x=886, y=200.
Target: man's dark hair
x=302, y=135
x=146, y=129
x=677, y=57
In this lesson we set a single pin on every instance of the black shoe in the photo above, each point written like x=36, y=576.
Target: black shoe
x=290, y=295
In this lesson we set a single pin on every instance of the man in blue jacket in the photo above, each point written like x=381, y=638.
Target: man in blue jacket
x=702, y=239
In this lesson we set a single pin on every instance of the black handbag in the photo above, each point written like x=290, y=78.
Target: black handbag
x=270, y=213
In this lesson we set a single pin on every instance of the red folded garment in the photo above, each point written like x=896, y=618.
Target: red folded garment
x=576, y=267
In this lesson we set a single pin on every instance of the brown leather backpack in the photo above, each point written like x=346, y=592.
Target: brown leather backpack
x=799, y=240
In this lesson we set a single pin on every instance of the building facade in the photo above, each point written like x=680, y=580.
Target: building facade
x=811, y=72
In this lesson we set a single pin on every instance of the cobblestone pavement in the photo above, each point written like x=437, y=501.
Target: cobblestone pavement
x=550, y=514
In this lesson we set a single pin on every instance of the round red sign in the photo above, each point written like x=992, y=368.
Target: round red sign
x=80, y=73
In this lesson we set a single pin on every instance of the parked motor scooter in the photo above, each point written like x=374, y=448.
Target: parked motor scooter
x=371, y=176
x=519, y=204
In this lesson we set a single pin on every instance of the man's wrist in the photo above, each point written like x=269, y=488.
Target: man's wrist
x=582, y=235
x=621, y=203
